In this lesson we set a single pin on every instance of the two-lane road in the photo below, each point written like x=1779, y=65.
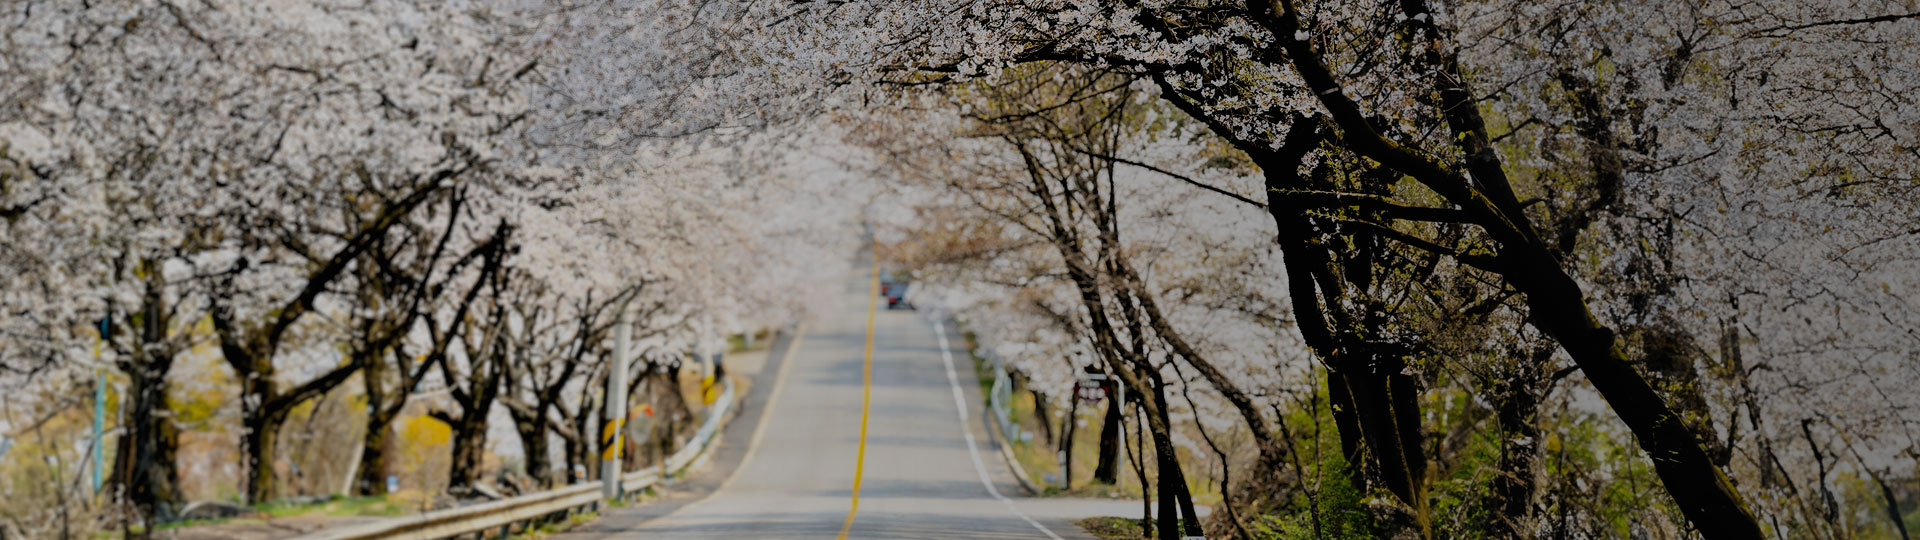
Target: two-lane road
x=919, y=478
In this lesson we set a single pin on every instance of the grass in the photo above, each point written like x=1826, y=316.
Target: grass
x=762, y=339
x=557, y=527
x=1039, y=457
x=377, y=505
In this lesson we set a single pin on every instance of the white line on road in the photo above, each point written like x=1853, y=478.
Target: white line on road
x=946, y=355
x=766, y=409
x=766, y=414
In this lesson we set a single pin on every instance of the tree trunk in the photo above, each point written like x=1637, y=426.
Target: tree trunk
x=531, y=423
x=1040, y=415
x=1346, y=424
x=1386, y=407
x=470, y=429
x=1176, y=503
x=539, y=457
x=1690, y=475
x=469, y=450
x=1167, y=526
x=144, y=462
x=144, y=467
x=373, y=458
x=1139, y=461
x=1557, y=305
x=265, y=410
x=580, y=448
x=264, y=405
x=1067, y=428
x=373, y=444
x=262, y=445
x=1107, y=470
x=1511, y=500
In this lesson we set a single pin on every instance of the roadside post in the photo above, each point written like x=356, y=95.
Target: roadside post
x=616, y=409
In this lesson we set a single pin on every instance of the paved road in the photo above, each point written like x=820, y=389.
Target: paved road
x=795, y=472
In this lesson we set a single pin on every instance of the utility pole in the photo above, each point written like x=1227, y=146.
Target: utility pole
x=704, y=349
x=616, y=411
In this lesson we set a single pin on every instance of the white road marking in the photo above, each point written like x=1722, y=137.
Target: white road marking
x=946, y=355
x=767, y=409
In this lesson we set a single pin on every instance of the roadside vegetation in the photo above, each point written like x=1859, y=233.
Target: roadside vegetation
x=1404, y=268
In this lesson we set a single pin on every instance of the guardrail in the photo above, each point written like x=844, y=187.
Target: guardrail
x=1000, y=409
x=1000, y=399
x=501, y=515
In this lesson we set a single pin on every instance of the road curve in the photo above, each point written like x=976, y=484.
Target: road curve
x=920, y=480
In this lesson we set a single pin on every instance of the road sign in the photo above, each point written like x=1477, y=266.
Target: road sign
x=1090, y=392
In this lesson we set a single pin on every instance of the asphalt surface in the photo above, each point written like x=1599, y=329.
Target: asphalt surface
x=786, y=466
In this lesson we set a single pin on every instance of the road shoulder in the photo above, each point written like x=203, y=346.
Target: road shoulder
x=724, y=460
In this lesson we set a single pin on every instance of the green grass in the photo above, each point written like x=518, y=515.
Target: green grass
x=197, y=522
x=339, y=506
x=1039, y=456
x=1039, y=459
x=1341, y=512
x=557, y=527
x=762, y=339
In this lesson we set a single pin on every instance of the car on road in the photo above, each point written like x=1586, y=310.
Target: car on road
x=894, y=287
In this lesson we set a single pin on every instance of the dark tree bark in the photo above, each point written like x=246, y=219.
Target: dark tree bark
x=535, y=439
x=534, y=385
x=1068, y=201
x=1515, y=391
x=470, y=427
x=395, y=296
x=487, y=352
x=250, y=348
x=1556, y=304
x=1376, y=406
x=1040, y=415
x=469, y=451
x=144, y=471
x=1176, y=502
x=1387, y=409
x=144, y=462
x=1066, y=441
x=374, y=468
x=475, y=398
x=1107, y=468
x=1137, y=457
x=575, y=428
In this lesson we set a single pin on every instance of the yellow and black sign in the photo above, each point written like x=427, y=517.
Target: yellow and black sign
x=610, y=439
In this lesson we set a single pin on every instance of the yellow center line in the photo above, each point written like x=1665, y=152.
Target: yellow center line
x=866, y=399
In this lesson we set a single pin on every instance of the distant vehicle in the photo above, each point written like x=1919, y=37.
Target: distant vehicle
x=894, y=287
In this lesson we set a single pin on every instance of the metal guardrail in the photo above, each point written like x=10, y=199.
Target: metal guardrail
x=1000, y=408
x=502, y=514
x=1000, y=398
x=696, y=448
